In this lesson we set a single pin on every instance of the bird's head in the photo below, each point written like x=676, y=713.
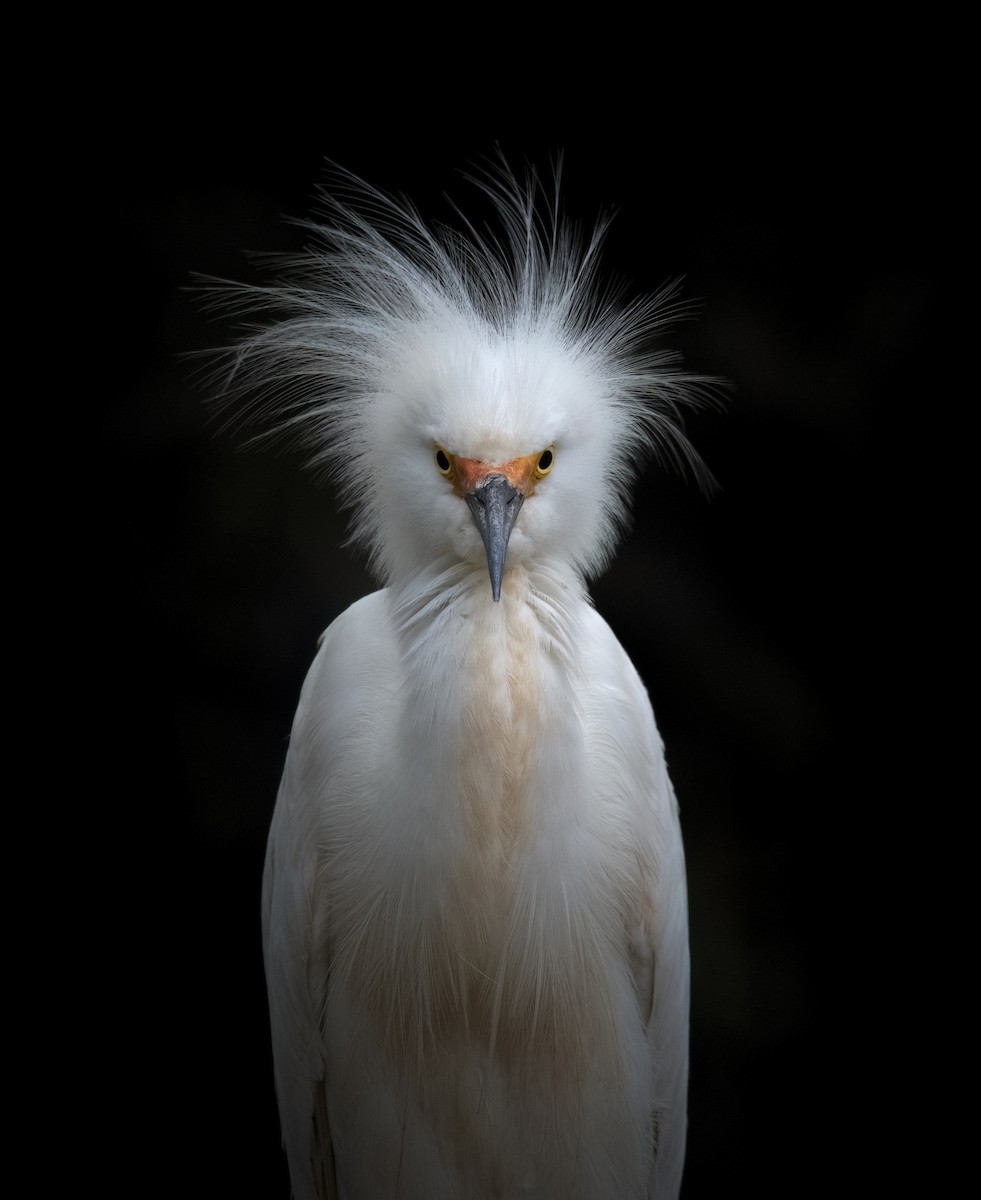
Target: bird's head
x=494, y=449
x=478, y=400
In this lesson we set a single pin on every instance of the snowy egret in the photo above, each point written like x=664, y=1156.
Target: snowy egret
x=474, y=905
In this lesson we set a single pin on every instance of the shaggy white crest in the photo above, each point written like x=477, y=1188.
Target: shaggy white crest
x=474, y=906
x=386, y=329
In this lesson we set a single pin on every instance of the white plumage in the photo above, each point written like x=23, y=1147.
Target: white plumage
x=474, y=903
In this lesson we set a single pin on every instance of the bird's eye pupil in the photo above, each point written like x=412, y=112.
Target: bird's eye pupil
x=545, y=460
x=442, y=460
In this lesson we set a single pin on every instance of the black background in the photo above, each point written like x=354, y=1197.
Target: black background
x=809, y=217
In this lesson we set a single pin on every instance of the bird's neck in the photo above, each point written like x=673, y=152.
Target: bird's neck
x=451, y=633
x=485, y=683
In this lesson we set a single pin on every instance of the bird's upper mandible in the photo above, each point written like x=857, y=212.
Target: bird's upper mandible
x=494, y=493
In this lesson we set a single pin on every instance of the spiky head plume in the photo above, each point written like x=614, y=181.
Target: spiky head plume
x=389, y=332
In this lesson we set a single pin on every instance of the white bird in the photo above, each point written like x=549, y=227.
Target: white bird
x=474, y=905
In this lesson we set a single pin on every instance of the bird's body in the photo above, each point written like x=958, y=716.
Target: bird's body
x=474, y=901
x=485, y=918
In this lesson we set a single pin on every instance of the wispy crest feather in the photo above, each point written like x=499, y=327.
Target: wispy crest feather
x=332, y=330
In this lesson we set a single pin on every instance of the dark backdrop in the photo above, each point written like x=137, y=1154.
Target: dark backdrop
x=759, y=620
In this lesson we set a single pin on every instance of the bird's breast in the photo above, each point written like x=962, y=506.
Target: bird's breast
x=501, y=730
x=470, y=913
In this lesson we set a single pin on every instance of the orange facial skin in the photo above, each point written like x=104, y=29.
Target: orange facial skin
x=521, y=473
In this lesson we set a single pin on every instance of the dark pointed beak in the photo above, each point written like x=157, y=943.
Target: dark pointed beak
x=494, y=505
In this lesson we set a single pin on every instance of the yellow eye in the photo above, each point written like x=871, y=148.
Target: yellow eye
x=545, y=462
x=443, y=464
